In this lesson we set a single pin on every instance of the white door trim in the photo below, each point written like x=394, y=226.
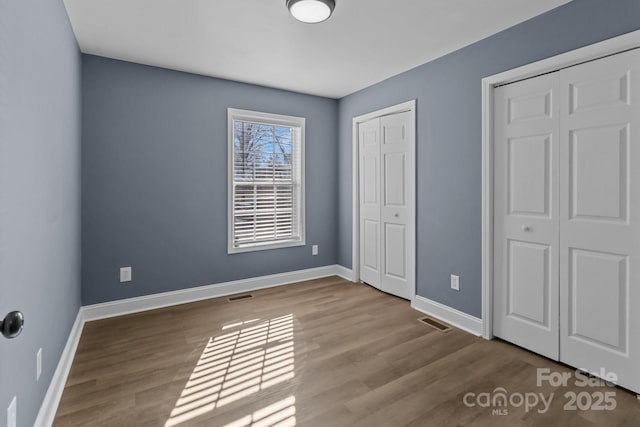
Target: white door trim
x=605, y=48
x=409, y=106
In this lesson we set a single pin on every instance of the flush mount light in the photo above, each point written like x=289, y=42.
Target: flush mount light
x=311, y=11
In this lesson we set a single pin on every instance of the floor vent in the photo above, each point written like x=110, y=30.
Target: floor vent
x=240, y=297
x=435, y=324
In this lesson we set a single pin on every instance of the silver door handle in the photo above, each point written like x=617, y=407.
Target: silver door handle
x=526, y=228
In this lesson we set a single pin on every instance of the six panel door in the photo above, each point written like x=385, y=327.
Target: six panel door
x=369, y=180
x=386, y=185
x=600, y=217
x=526, y=214
x=397, y=206
x=567, y=216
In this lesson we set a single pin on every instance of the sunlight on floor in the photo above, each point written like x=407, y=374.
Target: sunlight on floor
x=280, y=414
x=238, y=364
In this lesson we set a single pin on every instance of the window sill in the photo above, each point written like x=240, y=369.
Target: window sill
x=265, y=246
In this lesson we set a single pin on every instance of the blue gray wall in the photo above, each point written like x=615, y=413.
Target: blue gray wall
x=39, y=193
x=448, y=93
x=154, y=179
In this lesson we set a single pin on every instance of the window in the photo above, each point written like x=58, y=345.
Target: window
x=266, y=181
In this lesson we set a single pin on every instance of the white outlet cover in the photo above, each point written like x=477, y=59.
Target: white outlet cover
x=125, y=274
x=12, y=413
x=314, y=250
x=455, y=282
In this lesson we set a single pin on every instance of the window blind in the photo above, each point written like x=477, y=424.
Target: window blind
x=266, y=183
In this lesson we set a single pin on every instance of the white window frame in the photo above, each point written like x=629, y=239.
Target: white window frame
x=234, y=114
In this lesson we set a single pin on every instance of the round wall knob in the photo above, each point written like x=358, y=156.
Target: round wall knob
x=396, y=215
x=526, y=228
x=12, y=324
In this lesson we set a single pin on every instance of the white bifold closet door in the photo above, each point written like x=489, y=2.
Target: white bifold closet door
x=567, y=215
x=386, y=231
x=526, y=239
x=600, y=221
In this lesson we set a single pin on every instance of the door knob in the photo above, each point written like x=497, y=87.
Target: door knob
x=396, y=215
x=526, y=228
x=11, y=325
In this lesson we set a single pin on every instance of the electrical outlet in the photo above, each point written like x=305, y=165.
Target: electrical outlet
x=12, y=413
x=125, y=274
x=314, y=250
x=38, y=364
x=455, y=282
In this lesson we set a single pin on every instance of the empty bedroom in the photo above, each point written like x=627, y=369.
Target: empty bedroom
x=280, y=213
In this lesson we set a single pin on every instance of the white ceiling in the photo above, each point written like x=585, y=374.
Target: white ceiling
x=258, y=41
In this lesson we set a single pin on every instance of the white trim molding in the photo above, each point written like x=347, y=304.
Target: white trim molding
x=54, y=393
x=345, y=273
x=589, y=53
x=449, y=315
x=408, y=106
x=183, y=296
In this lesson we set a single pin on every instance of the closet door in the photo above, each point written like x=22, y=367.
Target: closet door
x=369, y=187
x=397, y=177
x=387, y=207
x=526, y=214
x=600, y=217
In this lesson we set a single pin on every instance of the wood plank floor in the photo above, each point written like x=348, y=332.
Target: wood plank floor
x=325, y=352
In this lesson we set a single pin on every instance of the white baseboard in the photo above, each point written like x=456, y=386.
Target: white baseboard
x=345, y=273
x=454, y=317
x=51, y=400
x=166, y=299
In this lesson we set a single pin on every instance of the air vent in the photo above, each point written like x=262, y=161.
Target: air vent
x=435, y=324
x=240, y=297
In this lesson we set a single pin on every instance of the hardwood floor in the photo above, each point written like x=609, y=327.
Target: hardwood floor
x=325, y=352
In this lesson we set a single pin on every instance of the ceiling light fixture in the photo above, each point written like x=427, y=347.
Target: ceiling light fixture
x=311, y=11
